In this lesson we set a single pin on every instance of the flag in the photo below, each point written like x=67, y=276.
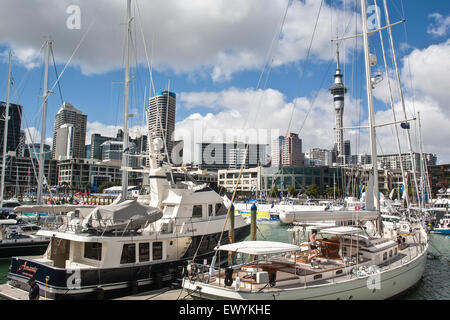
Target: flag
x=405, y=125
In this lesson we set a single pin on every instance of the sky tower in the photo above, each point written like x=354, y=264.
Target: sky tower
x=338, y=90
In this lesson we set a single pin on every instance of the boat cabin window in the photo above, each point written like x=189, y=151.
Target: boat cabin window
x=197, y=211
x=144, y=252
x=384, y=256
x=390, y=253
x=220, y=209
x=157, y=250
x=210, y=210
x=128, y=253
x=93, y=250
x=395, y=251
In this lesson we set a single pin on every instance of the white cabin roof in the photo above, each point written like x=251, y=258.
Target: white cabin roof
x=259, y=247
x=341, y=230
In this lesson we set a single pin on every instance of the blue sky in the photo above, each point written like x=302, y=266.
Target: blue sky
x=223, y=55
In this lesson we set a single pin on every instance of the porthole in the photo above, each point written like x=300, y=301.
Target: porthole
x=339, y=272
x=318, y=276
x=171, y=242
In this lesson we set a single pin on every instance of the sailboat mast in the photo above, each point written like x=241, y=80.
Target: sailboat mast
x=397, y=73
x=125, y=107
x=5, y=132
x=372, y=137
x=44, y=118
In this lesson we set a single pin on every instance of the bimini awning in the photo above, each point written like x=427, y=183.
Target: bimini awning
x=316, y=216
x=341, y=230
x=259, y=247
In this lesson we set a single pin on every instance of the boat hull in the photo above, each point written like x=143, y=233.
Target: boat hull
x=441, y=231
x=11, y=249
x=392, y=282
x=101, y=283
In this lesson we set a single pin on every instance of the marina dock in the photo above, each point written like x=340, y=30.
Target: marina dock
x=160, y=294
x=11, y=293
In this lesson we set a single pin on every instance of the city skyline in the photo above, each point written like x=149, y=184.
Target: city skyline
x=220, y=83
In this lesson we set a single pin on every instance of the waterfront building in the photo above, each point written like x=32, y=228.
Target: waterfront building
x=161, y=117
x=320, y=157
x=217, y=156
x=64, y=142
x=69, y=115
x=113, y=151
x=21, y=173
x=33, y=151
x=439, y=177
x=287, y=151
x=14, y=122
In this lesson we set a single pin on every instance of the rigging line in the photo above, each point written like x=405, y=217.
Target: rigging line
x=70, y=59
x=56, y=73
x=315, y=97
x=29, y=135
x=246, y=152
x=29, y=70
x=269, y=63
x=149, y=63
x=305, y=64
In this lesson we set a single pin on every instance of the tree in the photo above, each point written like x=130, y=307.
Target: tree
x=331, y=191
x=274, y=191
x=292, y=191
x=313, y=190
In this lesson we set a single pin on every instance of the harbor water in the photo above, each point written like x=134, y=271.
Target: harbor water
x=435, y=284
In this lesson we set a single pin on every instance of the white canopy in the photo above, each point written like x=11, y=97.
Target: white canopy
x=259, y=247
x=302, y=216
x=125, y=215
x=8, y=221
x=341, y=230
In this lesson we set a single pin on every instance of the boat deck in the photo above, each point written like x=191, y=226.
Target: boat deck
x=287, y=278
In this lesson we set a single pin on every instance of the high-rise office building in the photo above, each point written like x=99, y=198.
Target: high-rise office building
x=161, y=117
x=68, y=114
x=287, y=151
x=216, y=156
x=15, y=119
x=64, y=142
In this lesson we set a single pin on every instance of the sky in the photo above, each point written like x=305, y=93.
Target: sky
x=244, y=70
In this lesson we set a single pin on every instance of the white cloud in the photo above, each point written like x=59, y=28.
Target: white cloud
x=440, y=26
x=110, y=130
x=429, y=71
x=261, y=116
x=219, y=37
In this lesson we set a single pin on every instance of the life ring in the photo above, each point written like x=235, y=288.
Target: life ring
x=357, y=208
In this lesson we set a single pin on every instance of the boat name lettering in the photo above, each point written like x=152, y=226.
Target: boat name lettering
x=25, y=269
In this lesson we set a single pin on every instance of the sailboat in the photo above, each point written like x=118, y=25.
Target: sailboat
x=16, y=237
x=344, y=261
x=129, y=245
